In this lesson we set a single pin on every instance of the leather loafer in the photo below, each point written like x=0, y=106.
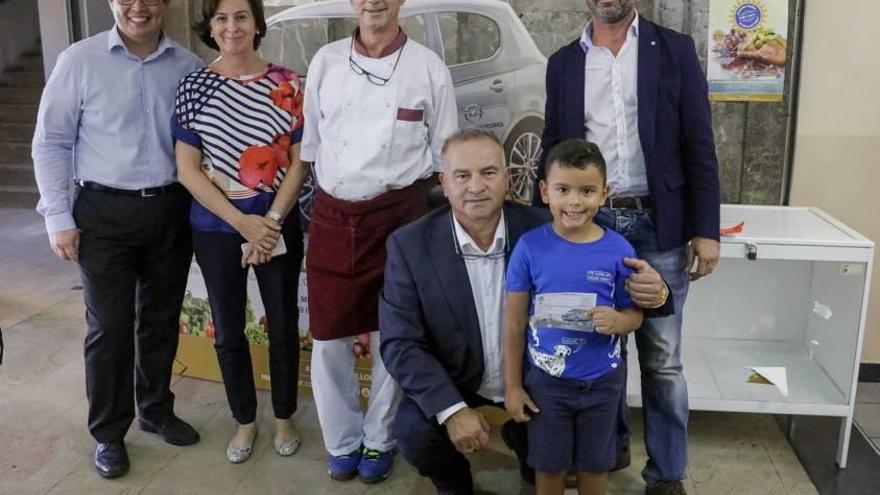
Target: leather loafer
x=173, y=430
x=111, y=459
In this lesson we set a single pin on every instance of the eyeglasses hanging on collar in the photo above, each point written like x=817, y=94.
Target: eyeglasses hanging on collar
x=373, y=78
x=496, y=255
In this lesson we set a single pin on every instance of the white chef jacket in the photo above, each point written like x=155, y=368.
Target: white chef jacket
x=366, y=139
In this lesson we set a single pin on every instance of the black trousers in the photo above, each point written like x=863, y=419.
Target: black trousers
x=219, y=257
x=425, y=444
x=134, y=258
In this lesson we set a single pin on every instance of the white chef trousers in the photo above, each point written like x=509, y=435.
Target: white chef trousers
x=336, y=390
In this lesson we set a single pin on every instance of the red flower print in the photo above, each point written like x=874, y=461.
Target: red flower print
x=297, y=106
x=288, y=97
x=259, y=164
x=282, y=96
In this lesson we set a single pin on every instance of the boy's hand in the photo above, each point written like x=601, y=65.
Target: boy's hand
x=468, y=430
x=516, y=400
x=605, y=319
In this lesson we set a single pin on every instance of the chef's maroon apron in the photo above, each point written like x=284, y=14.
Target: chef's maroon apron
x=345, y=261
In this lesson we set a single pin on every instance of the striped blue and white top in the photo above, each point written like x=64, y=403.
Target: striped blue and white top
x=244, y=128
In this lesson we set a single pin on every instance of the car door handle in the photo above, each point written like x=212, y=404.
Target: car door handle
x=497, y=86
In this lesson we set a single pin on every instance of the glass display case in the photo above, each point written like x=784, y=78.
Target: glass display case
x=790, y=293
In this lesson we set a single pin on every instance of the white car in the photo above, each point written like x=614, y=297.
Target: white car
x=496, y=67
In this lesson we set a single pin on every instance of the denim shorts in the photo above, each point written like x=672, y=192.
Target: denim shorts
x=577, y=423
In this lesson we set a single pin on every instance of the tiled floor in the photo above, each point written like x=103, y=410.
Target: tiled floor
x=45, y=448
x=867, y=414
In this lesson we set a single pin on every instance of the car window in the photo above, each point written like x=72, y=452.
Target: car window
x=293, y=43
x=468, y=37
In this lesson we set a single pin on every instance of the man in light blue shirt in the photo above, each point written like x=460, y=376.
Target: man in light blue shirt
x=103, y=125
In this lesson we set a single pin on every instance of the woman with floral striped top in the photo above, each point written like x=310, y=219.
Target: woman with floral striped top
x=237, y=127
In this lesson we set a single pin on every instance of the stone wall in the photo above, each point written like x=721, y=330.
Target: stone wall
x=750, y=137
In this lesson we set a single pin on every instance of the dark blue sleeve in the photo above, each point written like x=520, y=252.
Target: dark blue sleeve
x=698, y=148
x=181, y=133
x=551, y=122
x=183, y=116
x=296, y=135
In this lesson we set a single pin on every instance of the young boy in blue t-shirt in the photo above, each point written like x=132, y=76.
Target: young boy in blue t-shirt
x=566, y=300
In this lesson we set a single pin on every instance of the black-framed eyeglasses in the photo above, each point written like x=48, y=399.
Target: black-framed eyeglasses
x=145, y=2
x=496, y=255
x=373, y=78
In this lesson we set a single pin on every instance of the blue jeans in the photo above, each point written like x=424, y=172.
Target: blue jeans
x=664, y=391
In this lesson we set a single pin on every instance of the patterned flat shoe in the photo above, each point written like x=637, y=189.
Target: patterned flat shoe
x=287, y=448
x=236, y=455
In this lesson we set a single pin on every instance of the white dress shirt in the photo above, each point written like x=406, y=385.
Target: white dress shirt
x=611, y=110
x=486, y=275
x=367, y=139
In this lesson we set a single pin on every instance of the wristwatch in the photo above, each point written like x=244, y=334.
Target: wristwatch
x=274, y=215
x=665, y=295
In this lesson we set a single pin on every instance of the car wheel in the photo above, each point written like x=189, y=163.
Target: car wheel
x=523, y=151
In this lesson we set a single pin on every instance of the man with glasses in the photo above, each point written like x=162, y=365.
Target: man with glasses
x=377, y=109
x=442, y=307
x=103, y=124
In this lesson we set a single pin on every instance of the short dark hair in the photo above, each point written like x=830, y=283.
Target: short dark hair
x=209, y=8
x=469, y=134
x=576, y=153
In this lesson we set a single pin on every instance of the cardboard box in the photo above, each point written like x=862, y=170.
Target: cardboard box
x=195, y=352
x=196, y=357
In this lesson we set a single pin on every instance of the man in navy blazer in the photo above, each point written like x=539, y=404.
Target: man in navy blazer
x=441, y=308
x=637, y=90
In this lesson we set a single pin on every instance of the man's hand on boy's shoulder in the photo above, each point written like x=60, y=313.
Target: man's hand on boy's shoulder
x=645, y=286
x=468, y=430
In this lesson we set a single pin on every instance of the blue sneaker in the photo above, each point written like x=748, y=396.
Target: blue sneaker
x=375, y=465
x=344, y=467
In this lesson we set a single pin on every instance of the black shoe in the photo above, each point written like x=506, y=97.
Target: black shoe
x=623, y=460
x=173, y=430
x=666, y=488
x=111, y=459
x=514, y=436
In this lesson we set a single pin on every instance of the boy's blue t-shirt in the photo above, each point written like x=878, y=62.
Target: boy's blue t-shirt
x=565, y=279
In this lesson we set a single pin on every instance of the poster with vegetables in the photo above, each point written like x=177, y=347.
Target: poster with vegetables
x=747, y=49
x=196, y=319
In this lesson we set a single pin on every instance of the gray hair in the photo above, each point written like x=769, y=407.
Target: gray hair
x=469, y=134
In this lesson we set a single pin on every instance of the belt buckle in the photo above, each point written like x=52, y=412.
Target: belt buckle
x=613, y=200
x=146, y=192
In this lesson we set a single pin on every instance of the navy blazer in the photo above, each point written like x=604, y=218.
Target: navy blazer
x=430, y=333
x=675, y=129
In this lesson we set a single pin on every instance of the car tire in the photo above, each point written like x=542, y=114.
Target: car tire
x=523, y=151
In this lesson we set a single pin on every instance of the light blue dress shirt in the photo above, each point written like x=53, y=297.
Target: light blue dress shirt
x=611, y=110
x=105, y=117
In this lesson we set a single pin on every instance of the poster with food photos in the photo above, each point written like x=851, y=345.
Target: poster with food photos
x=747, y=49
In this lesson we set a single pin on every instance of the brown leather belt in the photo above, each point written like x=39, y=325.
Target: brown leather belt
x=628, y=202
